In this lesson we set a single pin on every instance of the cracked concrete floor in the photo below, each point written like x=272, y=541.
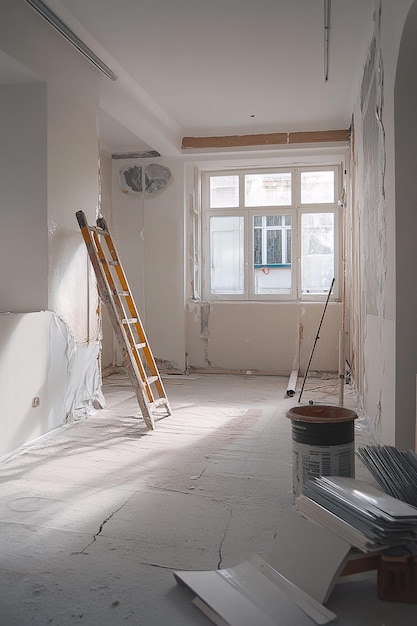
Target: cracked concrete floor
x=96, y=516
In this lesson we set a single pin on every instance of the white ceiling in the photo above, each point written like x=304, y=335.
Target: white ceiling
x=220, y=67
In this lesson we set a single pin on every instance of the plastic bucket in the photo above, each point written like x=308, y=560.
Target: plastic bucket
x=323, y=443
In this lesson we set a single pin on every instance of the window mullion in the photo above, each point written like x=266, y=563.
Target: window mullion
x=264, y=241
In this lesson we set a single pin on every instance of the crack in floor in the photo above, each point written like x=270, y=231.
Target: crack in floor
x=158, y=565
x=84, y=550
x=223, y=539
x=198, y=475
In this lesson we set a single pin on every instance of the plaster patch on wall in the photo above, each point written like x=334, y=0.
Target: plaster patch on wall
x=140, y=180
x=372, y=221
x=131, y=179
x=205, y=311
x=300, y=334
x=156, y=177
x=168, y=367
x=372, y=179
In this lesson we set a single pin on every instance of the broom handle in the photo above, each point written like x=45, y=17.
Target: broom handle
x=315, y=341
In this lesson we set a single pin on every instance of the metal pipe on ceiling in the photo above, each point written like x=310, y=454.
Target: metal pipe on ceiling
x=326, y=38
x=48, y=15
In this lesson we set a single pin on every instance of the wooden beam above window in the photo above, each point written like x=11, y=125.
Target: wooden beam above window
x=269, y=139
x=319, y=136
x=234, y=141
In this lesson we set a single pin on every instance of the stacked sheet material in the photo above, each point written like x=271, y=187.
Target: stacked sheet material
x=287, y=588
x=394, y=471
x=367, y=518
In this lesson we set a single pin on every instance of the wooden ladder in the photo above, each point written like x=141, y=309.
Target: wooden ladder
x=114, y=291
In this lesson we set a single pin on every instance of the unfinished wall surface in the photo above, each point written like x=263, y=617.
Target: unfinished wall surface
x=266, y=337
x=373, y=247
x=374, y=312
x=107, y=334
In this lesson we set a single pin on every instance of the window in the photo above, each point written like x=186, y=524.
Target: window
x=270, y=234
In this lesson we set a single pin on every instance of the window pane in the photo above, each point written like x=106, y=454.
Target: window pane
x=224, y=191
x=274, y=246
x=227, y=255
x=268, y=189
x=317, y=187
x=274, y=220
x=272, y=254
x=317, y=252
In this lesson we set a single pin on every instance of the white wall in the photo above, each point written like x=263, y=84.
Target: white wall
x=148, y=232
x=72, y=185
x=23, y=198
x=49, y=170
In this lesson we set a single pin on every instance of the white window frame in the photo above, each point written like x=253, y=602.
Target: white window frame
x=294, y=252
x=295, y=209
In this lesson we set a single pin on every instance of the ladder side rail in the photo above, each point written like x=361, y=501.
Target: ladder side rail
x=116, y=302
x=122, y=277
x=139, y=390
x=123, y=281
x=102, y=283
x=116, y=311
x=106, y=297
x=115, y=297
x=132, y=308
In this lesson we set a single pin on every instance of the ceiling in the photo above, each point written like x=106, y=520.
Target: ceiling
x=220, y=67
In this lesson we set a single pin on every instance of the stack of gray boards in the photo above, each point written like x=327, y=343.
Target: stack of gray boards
x=364, y=516
x=394, y=471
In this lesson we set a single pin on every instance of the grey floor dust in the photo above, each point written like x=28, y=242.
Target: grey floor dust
x=96, y=516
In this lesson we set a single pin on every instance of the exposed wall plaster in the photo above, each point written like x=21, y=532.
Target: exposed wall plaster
x=372, y=182
x=146, y=180
x=136, y=155
x=205, y=311
x=168, y=367
x=372, y=216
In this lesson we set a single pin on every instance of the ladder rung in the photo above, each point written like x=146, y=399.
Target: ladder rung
x=121, y=293
x=132, y=320
x=113, y=262
x=152, y=379
x=159, y=402
x=139, y=346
